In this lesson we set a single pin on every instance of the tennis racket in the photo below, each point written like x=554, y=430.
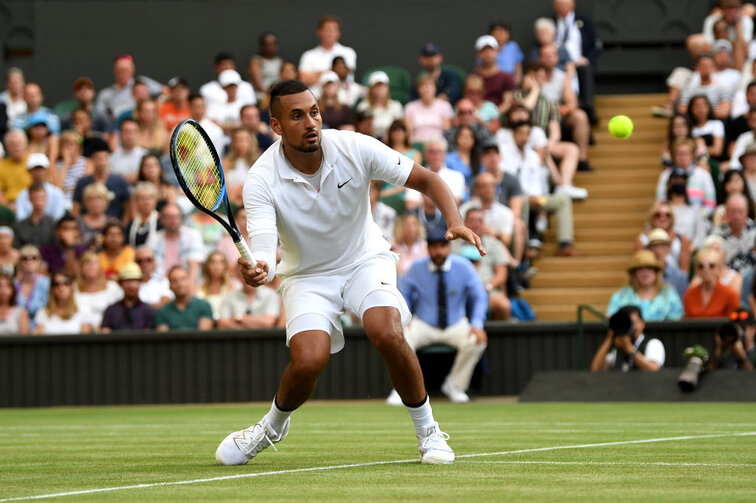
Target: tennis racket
x=200, y=175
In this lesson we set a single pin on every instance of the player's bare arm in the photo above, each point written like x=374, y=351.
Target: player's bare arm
x=425, y=181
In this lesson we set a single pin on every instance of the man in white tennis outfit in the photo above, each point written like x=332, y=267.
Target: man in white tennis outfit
x=310, y=189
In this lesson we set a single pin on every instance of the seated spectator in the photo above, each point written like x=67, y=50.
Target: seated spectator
x=719, y=95
x=545, y=30
x=94, y=291
x=139, y=92
x=37, y=165
x=484, y=112
x=706, y=127
x=738, y=235
x=176, y=107
x=113, y=100
x=435, y=156
x=383, y=215
x=466, y=117
x=442, y=318
x=335, y=114
x=64, y=252
x=681, y=126
x=226, y=113
x=399, y=139
x=498, y=220
x=249, y=307
x=734, y=182
x=738, y=29
x=93, y=222
x=464, y=157
x=82, y=126
x=13, y=96
x=626, y=347
x=411, y=244
x=662, y=217
x=8, y=255
x=734, y=343
x=242, y=154
x=14, y=320
x=38, y=228
x=151, y=171
x=177, y=244
x=115, y=252
x=315, y=61
x=491, y=268
x=265, y=66
x=216, y=282
x=728, y=277
x=428, y=116
x=34, y=98
x=154, y=289
x=499, y=85
x=379, y=104
x=431, y=219
x=249, y=116
x=70, y=168
x=227, y=246
x=210, y=233
x=146, y=219
x=83, y=98
x=62, y=315
x=748, y=161
x=510, y=56
x=117, y=188
x=214, y=91
x=690, y=221
x=41, y=140
x=709, y=298
x=350, y=92
x=130, y=313
x=700, y=186
x=448, y=86
x=185, y=312
x=524, y=163
x=743, y=100
x=32, y=287
x=153, y=136
x=659, y=243
x=126, y=158
x=646, y=289
x=198, y=113
x=14, y=176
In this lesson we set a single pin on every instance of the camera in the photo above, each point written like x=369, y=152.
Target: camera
x=621, y=324
x=730, y=333
x=696, y=357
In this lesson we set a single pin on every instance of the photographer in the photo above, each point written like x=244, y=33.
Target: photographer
x=734, y=343
x=625, y=347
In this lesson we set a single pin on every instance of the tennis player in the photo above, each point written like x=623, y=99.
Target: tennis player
x=311, y=191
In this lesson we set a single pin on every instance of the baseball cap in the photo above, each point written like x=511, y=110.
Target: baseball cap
x=7, y=231
x=175, y=81
x=490, y=145
x=378, y=77
x=37, y=160
x=470, y=252
x=37, y=118
x=436, y=235
x=83, y=82
x=486, y=41
x=658, y=235
x=722, y=45
x=429, y=49
x=128, y=271
x=327, y=77
x=229, y=78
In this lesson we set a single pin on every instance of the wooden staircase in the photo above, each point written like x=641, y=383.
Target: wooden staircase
x=621, y=192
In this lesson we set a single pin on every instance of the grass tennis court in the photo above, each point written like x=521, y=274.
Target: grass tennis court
x=505, y=452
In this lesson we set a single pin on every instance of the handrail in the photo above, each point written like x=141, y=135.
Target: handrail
x=580, y=334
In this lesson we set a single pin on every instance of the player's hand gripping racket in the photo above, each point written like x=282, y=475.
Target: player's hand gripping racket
x=200, y=174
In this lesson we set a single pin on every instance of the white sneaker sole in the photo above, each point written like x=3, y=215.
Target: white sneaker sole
x=437, y=458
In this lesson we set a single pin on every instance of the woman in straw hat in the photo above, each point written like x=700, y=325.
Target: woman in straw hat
x=646, y=289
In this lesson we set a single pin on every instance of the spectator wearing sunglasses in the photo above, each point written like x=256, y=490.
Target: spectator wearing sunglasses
x=62, y=315
x=710, y=298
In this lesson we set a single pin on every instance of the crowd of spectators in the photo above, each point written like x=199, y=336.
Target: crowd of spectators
x=95, y=235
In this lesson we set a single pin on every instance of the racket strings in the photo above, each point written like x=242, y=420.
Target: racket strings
x=199, y=168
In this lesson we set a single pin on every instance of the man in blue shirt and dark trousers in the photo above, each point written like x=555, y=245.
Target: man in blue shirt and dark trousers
x=439, y=290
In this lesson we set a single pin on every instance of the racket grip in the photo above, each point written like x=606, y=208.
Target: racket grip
x=244, y=250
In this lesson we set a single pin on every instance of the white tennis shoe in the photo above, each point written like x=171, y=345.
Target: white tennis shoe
x=241, y=446
x=433, y=447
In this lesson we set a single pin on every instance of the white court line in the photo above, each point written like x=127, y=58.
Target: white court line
x=360, y=465
x=620, y=463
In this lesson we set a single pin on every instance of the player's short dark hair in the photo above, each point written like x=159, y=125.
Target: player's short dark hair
x=499, y=24
x=284, y=88
x=630, y=309
x=223, y=56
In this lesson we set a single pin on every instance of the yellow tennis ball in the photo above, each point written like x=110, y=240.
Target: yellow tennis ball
x=621, y=126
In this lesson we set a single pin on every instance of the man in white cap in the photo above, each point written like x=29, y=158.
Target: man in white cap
x=213, y=90
x=319, y=59
x=37, y=165
x=499, y=86
x=226, y=113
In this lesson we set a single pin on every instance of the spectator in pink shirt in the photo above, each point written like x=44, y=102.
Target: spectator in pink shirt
x=428, y=116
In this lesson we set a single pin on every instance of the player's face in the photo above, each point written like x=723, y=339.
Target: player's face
x=299, y=122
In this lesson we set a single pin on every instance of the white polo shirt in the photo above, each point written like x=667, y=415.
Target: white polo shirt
x=327, y=230
x=320, y=59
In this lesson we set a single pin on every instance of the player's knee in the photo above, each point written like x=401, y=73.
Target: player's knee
x=310, y=364
x=387, y=337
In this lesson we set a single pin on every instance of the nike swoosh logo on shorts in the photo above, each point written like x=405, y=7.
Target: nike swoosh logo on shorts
x=342, y=184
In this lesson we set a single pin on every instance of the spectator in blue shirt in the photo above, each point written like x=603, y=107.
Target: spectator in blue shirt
x=510, y=55
x=439, y=290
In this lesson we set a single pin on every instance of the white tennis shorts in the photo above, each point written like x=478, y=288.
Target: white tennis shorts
x=316, y=302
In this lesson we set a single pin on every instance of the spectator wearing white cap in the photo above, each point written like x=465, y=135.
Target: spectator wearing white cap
x=8, y=255
x=213, y=91
x=379, y=104
x=319, y=59
x=499, y=86
x=38, y=167
x=13, y=174
x=226, y=113
x=660, y=244
x=335, y=113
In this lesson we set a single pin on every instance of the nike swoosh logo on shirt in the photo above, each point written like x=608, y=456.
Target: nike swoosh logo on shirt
x=384, y=283
x=342, y=184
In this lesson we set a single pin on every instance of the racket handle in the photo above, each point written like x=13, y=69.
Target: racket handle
x=244, y=250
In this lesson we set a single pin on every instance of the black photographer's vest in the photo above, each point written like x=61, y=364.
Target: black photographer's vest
x=622, y=361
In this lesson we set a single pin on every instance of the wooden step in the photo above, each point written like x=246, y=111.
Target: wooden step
x=602, y=175
x=582, y=264
x=594, y=248
x=594, y=234
x=622, y=149
x=564, y=279
x=611, y=219
x=638, y=136
x=623, y=190
x=620, y=204
x=581, y=295
x=608, y=100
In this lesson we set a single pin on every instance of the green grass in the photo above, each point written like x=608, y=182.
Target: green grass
x=44, y=451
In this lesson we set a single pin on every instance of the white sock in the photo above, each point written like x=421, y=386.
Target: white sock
x=422, y=415
x=277, y=417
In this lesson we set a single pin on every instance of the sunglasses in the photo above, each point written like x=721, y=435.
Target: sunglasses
x=144, y=260
x=465, y=111
x=660, y=215
x=29, y=257
x=706, y=265
x=66, y=282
